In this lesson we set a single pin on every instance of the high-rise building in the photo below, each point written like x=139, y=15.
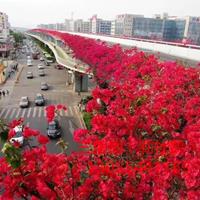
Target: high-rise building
x=192, y=29
x=78, y=25
x=5, y=42
x=112, y=32
x=4, y=26
x=104, y=27
x=151, y=28
x=94, y=24
x=124, y=24
x=86, y=27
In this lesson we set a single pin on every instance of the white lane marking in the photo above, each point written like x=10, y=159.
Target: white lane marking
x=29, y=112
x=2, y=112
x=12, y=114
x=34, y=111
x=7, y=112
x=44, y=110
x=70, y=109
x=40, y=110
x=23, y=113
x=79, y=116
x=71, y=127
x=17, y=115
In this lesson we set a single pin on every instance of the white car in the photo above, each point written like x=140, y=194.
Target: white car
x=24, y=102
x=18, y=137
x=29, y=62
x=40, y=66
x=41, y=59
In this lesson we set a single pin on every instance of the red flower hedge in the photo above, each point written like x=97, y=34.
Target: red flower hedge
x=145, y=138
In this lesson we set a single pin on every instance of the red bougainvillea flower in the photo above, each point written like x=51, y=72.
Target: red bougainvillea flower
x=27, y=132
x=43, y=139
x=15, y=122
x=50, y=112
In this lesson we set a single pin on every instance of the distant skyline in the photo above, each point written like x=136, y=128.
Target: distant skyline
x=29, y=13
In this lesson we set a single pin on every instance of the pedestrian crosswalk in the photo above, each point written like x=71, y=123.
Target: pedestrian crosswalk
x=33, y=112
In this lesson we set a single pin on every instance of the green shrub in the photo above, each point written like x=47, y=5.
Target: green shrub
x=87, y=119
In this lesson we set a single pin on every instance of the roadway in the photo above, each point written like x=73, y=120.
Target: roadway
x=34, y=116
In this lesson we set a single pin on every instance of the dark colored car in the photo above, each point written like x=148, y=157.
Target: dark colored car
x=54, y=129
x=39, y=100
x=59, y=67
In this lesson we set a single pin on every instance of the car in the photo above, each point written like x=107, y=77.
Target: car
x=18, y=137
x=40, y=66
x=29, y=62
x=41, y=59
x=53, y=129
x=90, y=76
x=39, y=100
x=44, y=86
x=29, y=75
x=59, y=67
x=46, y=63
x=24, y=102
x=41, y=72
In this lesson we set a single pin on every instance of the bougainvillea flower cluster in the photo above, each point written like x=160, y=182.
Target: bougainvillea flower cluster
x=144, y=141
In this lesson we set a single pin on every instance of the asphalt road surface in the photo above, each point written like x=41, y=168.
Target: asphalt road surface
x=34, y=116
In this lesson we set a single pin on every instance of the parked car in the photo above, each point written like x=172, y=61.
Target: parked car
x=18, y=137
x=41, y=72
x=54, y=129
x=24, y=102
x=39, y=100
x=44, y=86
x=29, y=75
x=40, y=66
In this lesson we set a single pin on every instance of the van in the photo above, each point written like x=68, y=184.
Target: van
x=29, y=62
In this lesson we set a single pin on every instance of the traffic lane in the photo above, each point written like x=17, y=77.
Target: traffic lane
x=68, y=125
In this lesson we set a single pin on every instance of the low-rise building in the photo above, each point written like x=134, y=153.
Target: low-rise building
x=104, y=27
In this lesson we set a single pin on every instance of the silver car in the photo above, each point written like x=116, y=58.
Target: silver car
x=41, y=72
x=24, y=102
x=39, y=100
x=29, y=75
x=40, y=66
x=44, y=86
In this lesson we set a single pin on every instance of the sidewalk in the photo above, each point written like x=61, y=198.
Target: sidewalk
x=9, y=84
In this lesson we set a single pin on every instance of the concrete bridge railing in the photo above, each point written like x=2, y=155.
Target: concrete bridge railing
x=172, y=50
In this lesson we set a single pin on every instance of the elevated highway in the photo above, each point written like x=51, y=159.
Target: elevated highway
x=186, y=52
x=77, y=72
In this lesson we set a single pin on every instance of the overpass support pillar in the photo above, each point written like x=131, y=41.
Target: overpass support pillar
x=80, y=82
x=70, y=77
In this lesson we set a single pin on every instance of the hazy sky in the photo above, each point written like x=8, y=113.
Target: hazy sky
x=29, y=13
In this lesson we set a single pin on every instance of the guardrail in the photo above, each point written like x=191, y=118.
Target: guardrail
x=67, y=62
